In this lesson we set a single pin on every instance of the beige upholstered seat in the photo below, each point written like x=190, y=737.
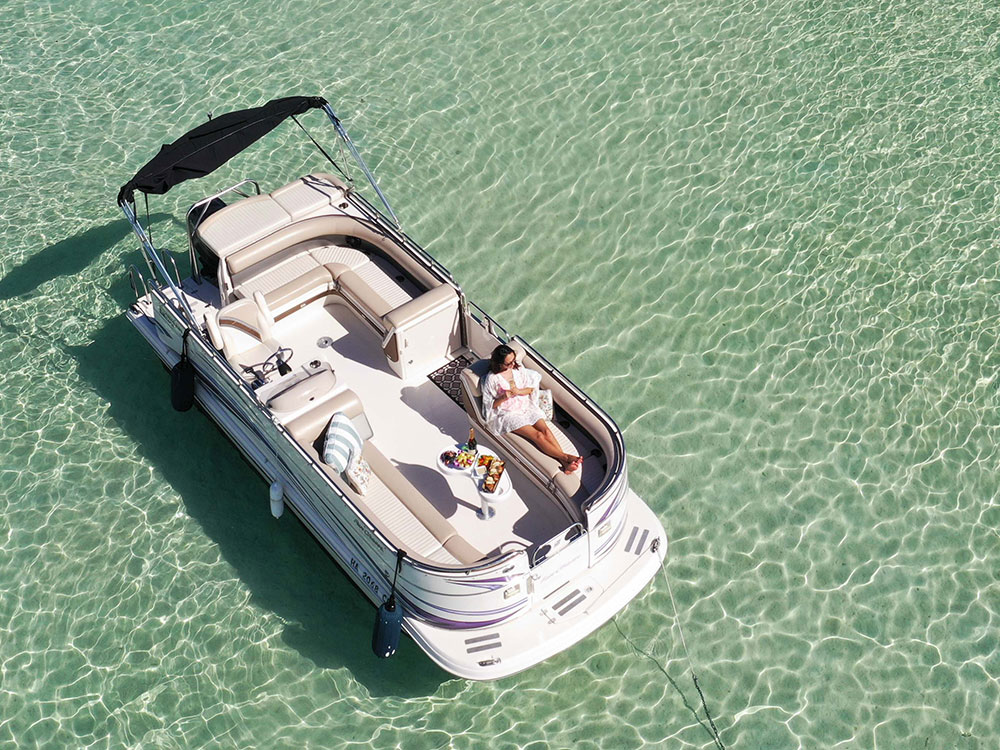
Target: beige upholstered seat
x=548, y=469
x=241, y=223
x=309, y=195
x=242, y=331
x=395, y=505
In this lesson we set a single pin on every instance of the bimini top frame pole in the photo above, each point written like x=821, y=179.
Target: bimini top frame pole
x=211, y=144
x=357, y=157
x=155, y=261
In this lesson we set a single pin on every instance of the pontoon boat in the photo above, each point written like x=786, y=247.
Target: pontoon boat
x=307, y=301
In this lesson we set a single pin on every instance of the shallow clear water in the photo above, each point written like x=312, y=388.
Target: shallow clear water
x=763, y=235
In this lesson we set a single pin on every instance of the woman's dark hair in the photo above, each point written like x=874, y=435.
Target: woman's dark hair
x=498, y=356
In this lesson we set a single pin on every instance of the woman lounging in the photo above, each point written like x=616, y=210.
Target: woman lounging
x=507, y=392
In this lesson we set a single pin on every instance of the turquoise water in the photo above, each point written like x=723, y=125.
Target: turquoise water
x=763, y=235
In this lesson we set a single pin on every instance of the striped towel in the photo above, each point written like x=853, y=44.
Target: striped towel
x=343, y=443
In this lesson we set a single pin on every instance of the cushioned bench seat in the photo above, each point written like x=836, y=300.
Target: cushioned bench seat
x=241, y=223
x=309, y=195
x=315, y=281
x=567, y=485
x=312, y=268
x=392, y=503
x=253, y=218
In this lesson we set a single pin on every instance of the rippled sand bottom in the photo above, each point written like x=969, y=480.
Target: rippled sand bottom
x=762, y=236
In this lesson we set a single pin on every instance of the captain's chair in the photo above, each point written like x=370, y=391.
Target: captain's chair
x=243, y=331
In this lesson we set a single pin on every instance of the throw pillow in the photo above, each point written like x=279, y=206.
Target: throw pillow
x=545, y=402
x=342, y=444
x=359, y=475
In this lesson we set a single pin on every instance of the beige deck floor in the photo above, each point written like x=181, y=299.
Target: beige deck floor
x=413, y=424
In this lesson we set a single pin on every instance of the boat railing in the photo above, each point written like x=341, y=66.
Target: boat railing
x=483, y=318
x=177, y=274
x=384, y=224
x=134, y=275
x=192, y=225
x=157, y=268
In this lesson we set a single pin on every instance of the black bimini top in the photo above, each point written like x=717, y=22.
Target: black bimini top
x=210, y=145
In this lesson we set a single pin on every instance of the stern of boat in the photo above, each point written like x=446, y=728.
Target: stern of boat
x=569, y=599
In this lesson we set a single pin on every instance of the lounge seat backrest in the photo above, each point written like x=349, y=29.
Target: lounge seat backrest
x=318, y=227
x=311, y=427
x=472, y=387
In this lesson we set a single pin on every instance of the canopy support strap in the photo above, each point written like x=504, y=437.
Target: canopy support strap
x=322, y=150
x=357, y=158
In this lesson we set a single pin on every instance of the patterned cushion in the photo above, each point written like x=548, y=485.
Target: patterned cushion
x=359, y=474
x=545, y=402
x=343, y=443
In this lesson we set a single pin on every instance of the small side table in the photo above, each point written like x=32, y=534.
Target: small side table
x=490, y=499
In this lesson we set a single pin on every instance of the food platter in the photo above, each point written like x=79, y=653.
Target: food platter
x=450, y=467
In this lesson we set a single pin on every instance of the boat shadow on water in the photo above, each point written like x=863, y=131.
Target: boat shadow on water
x=68, y=256
x=287, y=572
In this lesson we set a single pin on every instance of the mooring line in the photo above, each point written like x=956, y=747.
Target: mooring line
x=687, y=654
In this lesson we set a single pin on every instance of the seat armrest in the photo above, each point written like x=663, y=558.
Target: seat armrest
x=428, y=303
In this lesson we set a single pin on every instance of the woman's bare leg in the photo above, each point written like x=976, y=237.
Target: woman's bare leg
x=540, y=434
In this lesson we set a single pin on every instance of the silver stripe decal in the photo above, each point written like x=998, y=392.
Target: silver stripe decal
x=572, y=605
x=639, y=547
x=628, y=547
x=481, y=638
x=487, y=647
x=565, y=599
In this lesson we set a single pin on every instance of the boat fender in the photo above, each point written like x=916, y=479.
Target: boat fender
x=389, y=619
x=182, y=380
x=277, y=499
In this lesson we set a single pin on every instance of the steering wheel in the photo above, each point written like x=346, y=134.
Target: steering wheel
x=273, y=363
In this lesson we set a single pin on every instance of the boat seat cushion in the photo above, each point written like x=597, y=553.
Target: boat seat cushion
x=370, y=290
x=243, y=332
x=342, y=258
x=292, y=270
x=309, y=430
x=427, y=303
x=241, y=223
x=298, y=274
x=419, y=506
x=472, y=382
x=314, y=283
x=568, y=485
x=309, y=195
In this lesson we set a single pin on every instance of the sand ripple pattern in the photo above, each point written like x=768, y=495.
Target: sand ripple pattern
x=762, y=234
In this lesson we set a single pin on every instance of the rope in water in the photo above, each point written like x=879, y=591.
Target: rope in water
x=687, y=654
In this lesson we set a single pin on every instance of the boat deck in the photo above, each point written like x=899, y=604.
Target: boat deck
x=412, y=424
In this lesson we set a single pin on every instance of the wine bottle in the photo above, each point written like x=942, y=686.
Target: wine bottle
x=472, y=439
